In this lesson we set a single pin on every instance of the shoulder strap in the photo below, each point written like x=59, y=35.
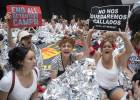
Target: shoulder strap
x=13, y=83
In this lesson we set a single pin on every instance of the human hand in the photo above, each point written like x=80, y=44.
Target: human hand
x=91, y=31
x=130, y=95
x=8, y=16
x=136, y=88
x=121, y=34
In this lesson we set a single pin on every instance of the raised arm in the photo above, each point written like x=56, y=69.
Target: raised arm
x=89, y=37
x=11, y=43
x=84, y=53
x=123, y=57
x=87, y=41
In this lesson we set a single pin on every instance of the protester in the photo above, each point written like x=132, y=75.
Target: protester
x=107, y=68
x=67, y=57
x=23, y=79
x=134, y=23
x=134, y=59
x=24, y=39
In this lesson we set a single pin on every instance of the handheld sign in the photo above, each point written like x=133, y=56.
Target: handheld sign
x=24, y=16
x=109, y=18
x=48, y=53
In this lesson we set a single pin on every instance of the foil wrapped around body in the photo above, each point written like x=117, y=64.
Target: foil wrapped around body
x=77, y=83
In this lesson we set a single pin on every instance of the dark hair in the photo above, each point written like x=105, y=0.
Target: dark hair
x=1, y=37
x=1, y=72
x=134, y=20
x=135, y=39
x=17, y=55
x=66, y=39
x=136, y=77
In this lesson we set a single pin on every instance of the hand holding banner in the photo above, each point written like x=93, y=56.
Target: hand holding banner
x=109, y=17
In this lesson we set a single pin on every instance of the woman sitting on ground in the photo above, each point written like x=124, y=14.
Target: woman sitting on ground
x=66, y=57
x=107, y=68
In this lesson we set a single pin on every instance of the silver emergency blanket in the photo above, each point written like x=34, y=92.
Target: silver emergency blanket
x=3, y=48
x=77, y=83
x=46, y=36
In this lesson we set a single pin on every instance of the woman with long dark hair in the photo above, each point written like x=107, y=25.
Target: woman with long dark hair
x=21, y=83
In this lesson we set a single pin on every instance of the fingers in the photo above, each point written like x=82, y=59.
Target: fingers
x=130, y=95
x=8, y=16
x=91, y=31
x=136, y=85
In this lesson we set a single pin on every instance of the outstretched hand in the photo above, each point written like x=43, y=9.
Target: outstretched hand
x=8, y=16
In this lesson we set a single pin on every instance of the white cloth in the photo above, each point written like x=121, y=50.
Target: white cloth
x=19, y=92
x=107, y=78
x=134, y=62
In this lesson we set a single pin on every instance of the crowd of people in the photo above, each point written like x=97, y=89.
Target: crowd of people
x=20, y=66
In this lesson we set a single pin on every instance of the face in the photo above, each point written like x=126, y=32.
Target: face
x=107, y=48
x=27, y=41
x=29, y=61
x=66, y=49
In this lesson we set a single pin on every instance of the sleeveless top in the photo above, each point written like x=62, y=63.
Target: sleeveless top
x=57, y=63
x=107, y=78
x=19, y=92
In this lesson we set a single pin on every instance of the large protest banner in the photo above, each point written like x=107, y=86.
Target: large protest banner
x=109, y=18
x=24, y=16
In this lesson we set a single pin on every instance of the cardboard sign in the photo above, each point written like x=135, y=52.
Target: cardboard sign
x=24, y=16
x=48, y=53
x=109, y=18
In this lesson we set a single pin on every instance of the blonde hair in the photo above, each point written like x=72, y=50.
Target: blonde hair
x=108, y=37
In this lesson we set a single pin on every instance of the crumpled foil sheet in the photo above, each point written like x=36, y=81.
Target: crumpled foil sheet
x=77, y=83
